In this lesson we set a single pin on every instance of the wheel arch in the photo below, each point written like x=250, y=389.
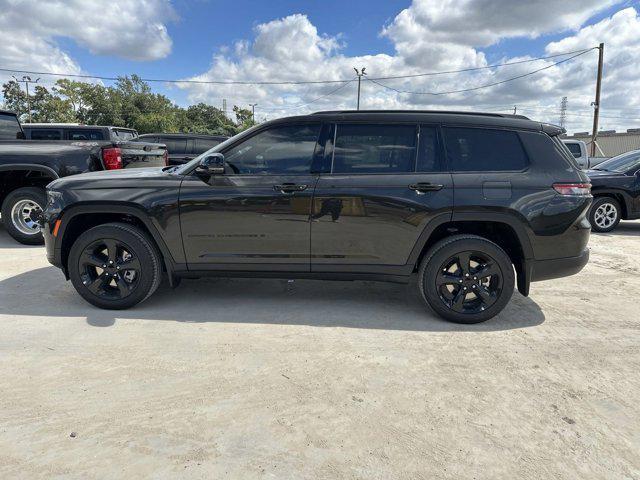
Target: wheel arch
x=622, y=197
x=18, y=175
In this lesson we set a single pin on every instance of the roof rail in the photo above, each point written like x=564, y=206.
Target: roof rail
x=449, y=112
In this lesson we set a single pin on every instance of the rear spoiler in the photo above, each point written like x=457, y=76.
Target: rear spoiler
x=552, y=130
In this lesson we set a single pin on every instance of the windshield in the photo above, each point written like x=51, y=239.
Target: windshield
x=218, y=148
x=624, y=163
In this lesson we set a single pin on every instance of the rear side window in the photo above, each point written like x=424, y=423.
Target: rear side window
x=479, y=149
x=46, y=134
x=85, y=134
x=374, y=149
x=574, y=148
x=9, y=127
x=204, y=144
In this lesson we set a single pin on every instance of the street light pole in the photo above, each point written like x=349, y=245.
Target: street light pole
x=26, y=80
x=360, y=75
x=253, y=112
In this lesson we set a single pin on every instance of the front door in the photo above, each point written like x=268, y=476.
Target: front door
x=255, y=216
x=387, y=182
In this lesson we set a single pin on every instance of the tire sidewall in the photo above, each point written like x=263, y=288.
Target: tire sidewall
x=34, y=194
x=592, y=212
x=141, y=248
x=449, y=247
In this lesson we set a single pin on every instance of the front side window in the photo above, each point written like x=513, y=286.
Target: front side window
x=85, y=134
x=374, y=149
x=481, y=149
x=429, y=155
x=46, y=134
x=281, y=150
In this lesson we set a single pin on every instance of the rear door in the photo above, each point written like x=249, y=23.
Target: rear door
x=386, y=182
x=256, y=215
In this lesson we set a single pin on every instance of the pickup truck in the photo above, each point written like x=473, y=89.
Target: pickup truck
x=28, y=165
x=579, y=150
x=183, y=147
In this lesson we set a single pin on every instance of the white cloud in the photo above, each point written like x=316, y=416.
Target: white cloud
x=132, y=29
x=443, y=35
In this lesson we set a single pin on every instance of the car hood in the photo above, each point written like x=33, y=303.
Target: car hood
x=116, y=179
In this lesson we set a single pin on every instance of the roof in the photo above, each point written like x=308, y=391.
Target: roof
x=498, y=120
x=185, y=135
x=74, y=125
x=8, y=112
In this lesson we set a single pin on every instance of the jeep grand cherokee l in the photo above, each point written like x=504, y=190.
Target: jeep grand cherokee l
x=465, y=201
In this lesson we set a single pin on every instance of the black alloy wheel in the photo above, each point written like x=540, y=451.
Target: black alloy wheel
x=466, y=278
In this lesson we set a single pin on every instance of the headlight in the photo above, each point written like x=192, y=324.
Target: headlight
x=53, y=197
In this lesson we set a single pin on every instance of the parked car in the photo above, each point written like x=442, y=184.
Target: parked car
x=183, y=147
x=26, y=167
x=616, y=191
x=461, y=199
x=579, y=150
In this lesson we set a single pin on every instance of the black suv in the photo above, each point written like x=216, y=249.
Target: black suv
x=464, y=200
x=183, y=147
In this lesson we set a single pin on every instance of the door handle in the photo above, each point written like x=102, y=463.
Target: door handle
x=290, y=188
x=423, y=187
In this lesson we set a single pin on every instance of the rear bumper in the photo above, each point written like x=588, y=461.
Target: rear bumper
x=557, y=267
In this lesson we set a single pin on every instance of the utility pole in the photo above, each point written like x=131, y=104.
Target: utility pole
x=253, y=112
x=360, y=75
x=224, y=106
x=515, y=109
x=563, y=112
x=596, y=104
x=27, y=80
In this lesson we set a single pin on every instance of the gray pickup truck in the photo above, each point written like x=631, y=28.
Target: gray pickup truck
x=32, y=157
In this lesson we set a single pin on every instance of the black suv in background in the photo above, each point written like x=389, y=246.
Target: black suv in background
x=183, y=147
x=616, y=191
x=461, y=199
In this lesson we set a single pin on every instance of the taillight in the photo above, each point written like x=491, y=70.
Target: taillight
x=165, y=156
x=112, y=158
x=576, y=189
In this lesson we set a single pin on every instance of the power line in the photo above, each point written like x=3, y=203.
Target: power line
x=292, y=82
x=293, y=107
x=493, y=84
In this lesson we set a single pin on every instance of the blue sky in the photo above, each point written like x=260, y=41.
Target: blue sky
x=266, y=40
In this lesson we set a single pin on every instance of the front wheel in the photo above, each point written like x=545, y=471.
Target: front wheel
x=114, y=266
x=20, y=211
x=466, y=278
x=604, y=214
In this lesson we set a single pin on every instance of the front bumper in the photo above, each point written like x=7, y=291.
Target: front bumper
x=557, y=267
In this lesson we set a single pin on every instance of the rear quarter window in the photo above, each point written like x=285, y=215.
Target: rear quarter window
x=482, y=149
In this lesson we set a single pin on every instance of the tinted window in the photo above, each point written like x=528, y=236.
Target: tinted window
x=622, y=163
x=429, y=156
x=480, y=149
x=175, y=145
x=204, y=144
x=279, y=150
x=85, y=134
x=46, y=134
x=9, y=127
x=375, y=149
x=574, y=148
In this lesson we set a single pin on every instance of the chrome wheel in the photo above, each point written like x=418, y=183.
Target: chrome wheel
x=24, y=216
x=605, y=215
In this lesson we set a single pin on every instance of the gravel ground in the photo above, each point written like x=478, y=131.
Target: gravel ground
x=320, y=380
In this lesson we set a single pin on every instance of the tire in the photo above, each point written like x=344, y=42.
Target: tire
x=442, y=281
x=18, y=214
x=114, y=246
x=605, y=214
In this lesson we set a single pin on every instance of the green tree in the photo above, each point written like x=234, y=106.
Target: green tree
x=15, y=98
x=49, y=108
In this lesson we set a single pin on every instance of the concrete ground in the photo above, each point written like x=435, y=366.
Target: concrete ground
x=320, y=380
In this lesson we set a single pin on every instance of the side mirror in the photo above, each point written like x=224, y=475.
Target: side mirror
x=212, y=164
x=20, y=136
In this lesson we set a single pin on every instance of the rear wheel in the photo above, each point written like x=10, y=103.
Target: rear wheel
x=466, y=279
x=114, y=266
x=20, y=211
x=605, y=214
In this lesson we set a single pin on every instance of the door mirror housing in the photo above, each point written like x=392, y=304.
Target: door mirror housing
x=212, y=164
